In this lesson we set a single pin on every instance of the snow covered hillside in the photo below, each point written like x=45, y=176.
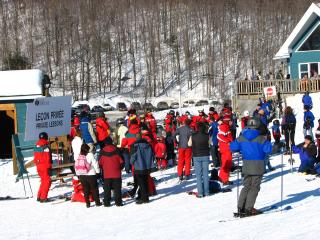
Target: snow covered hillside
x=172, y=214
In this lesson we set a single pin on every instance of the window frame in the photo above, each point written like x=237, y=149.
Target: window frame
x=300, y=45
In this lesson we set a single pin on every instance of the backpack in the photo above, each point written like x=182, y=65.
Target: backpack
x=81, y=165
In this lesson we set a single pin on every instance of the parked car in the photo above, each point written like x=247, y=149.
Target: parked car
x=162, y=106
x=189, y=103
x=96, y=110
x=174, y=105
x=148, y=106
x=121, y=106
x=202, y=103
x=108, y=107
x=136, y=106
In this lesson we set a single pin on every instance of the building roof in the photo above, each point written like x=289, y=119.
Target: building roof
x=308, y=18
x=20, y=84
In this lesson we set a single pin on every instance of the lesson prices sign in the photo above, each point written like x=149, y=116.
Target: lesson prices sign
x=50, y=114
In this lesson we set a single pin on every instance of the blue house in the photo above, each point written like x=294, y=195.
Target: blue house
x=301, y=50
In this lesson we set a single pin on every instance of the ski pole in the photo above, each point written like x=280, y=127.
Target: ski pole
x=281, y=179
x=24, y=187
x=30, y=185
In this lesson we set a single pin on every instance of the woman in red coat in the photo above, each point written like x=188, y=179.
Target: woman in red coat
x=103, y=129
x=42, y=160
x=225, y=138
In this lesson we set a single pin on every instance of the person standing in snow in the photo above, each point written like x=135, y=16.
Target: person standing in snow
x=253, y=148
x=308, y=119
x=244, y=119
x=307, y=100
x=111, y=162
x=200, y=151
x=87, y=168
x=42, y=161
x=288, y=126
x=76, y=144
x=120, y=134
x=88, y=135
x=214, y=144
x=184, y=151
x=318, y=141
x=103, y=129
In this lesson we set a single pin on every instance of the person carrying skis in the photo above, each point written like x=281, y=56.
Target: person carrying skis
x=308, y=125
x=307, y=152
x=253, y=148
x=225, y=138
x=307, y=100
x=42, y=161
x=184, y=151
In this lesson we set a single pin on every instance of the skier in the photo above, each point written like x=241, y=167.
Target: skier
x=103, y=129
x=111, y=162
x=288, y=126
x=78, y=194
x=87, y=131
x=151, y=123
x=307, y=152
x=87, y=168
x=253, y=148
x=276, y=133
x=42, y=160
x=161, y=153
x=214, y=147
x=245, y=119
x=318, y=140
x=184, y=151
x=74, y=125
x=307, y=100
x=308, y=125
x=212, y=114
x=120, y=135
x=169, y=122
x=170, y=146
x=142, y=158
x=225, y=138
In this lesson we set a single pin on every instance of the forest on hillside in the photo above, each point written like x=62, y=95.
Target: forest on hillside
x=103, y=46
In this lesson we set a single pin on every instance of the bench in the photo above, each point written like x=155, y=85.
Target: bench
x=58, y=168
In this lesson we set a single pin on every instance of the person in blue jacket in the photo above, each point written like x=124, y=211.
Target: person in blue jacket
x=87, y=131
x=214, y=148
x=307, y=100
x=308, y=153
x=308, y=124
x=253, y=146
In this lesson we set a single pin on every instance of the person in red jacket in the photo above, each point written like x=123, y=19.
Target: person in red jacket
x=151, y=123
x=244, y=119
x=74, y=125
x=225, y=138
x=42, y=160
x=212, y=114
x=197, y=119
x=78, y=194
x=111, y=162
x=169, y=122
x=161, y=153
x=130, y=136
x=103, y=129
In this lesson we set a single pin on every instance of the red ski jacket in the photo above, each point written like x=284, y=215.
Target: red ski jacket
x=103, y=129
x=130, y=136
x=42, y=154
x=111, y=162
x=160, y=150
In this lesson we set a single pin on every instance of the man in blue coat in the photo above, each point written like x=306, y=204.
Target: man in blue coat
x=142, y=159
x=307, y=100
x=214, y=148
x=88, y=135
x=253, y=148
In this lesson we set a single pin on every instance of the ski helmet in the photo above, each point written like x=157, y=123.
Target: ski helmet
x=253, y=123
x=212, y=109
x=44, y=136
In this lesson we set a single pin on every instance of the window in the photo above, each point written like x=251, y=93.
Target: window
x=303, y=70
x=313, y=70
x=313, y=42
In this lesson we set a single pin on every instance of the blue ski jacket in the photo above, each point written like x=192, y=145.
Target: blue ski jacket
x=307, y=100
x=308, y=115
x=213, y=133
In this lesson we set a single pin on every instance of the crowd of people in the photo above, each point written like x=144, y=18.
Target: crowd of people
x=137, y=147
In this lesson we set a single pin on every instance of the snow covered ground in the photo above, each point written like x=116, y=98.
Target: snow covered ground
x=172, y=214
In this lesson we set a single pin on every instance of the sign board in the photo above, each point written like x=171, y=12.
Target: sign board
x=270, y=91
x=48, y=114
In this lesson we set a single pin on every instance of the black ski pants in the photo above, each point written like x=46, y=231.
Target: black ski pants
x=288, y=137
x=215, y=154
x=90, y=185
x=115, y=184
x=142, y=182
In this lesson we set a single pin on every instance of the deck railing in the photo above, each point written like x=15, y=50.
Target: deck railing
x=248, y=87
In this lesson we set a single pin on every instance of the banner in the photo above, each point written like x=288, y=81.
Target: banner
x=48, y=114
x=270, y=91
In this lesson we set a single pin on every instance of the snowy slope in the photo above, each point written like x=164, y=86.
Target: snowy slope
x=172, y=214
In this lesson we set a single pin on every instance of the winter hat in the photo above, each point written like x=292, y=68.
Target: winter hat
x=246, y=113
x=144, y=128
x=44, y=136
x=308, y=137
x=212, y=109
x=306, y=107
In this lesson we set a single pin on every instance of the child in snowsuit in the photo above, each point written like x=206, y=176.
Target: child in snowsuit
x=318, y=141
x=276, y=133
x=308, y=125
x=78, y=194
x=161, y=153
x=308, y=152
x=171, y=155
x=225, y=138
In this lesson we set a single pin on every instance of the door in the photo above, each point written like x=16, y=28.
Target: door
x=7, y=129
